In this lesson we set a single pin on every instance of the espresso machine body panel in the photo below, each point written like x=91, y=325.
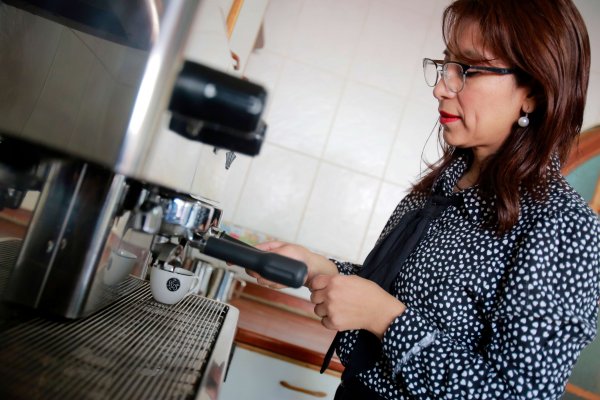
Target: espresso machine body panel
x=62, y=265
x=85, y=85
x=91, y=79
x=90, y=89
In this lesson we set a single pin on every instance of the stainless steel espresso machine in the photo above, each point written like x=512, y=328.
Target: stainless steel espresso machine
x=86, y=89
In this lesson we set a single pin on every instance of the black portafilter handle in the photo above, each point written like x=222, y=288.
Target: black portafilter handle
x=271, y=266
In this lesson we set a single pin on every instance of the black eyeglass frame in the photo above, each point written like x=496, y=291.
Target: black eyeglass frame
x=439, y=65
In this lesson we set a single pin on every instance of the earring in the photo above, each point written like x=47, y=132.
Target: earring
x=523, y=121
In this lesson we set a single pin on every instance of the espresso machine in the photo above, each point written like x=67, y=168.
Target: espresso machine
x=83, y=146
x=87, y=88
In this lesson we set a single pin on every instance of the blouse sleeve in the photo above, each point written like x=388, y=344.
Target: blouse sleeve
x=545, y=315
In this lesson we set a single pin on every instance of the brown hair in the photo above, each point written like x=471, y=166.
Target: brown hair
x=547, y=43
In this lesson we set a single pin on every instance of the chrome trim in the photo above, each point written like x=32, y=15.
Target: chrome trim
x=163, y=65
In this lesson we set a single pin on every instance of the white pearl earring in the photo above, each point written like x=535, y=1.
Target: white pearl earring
x=523, y=121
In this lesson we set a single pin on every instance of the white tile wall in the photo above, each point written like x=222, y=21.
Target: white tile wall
x=364, y=128
x=590, y=10
x=303, y=107
x=276, y=191
x=389, y=48
x=326, y=36
x=349, y=116
x=338, y=211
x=387, y=200
x=281, y=20
x=416, y=140
x=591, y=116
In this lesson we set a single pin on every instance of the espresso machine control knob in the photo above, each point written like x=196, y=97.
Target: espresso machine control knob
x=218, y=109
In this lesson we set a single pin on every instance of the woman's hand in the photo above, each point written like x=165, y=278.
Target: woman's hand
x=316, y=264
x=352, y=302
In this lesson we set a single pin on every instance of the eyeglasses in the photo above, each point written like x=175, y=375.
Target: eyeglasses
x=454, y=73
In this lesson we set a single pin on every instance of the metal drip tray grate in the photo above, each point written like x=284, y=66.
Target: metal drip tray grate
x=134, y=349
x=9, y=250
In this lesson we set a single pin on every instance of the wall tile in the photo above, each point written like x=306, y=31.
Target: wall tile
x=433, y=47
x=172, y=169
x=364, y=128
x=276, y=191
x=280, y=22
x=327, y=33
x=591, y=116
x=210, y=177
x=389, y=47
x=303, y=107
x=210, y=48
x=388, y=198
x=211, y=16
x=234, y=184
x=417, y=125
x=264, y=68
x=590, y=11
x=338, y=212
x=424, y=7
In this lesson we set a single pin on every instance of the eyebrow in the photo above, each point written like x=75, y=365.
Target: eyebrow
x=469, y=53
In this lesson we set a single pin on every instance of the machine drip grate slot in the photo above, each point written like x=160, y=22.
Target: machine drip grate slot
x=136, y=348
x=9, y=250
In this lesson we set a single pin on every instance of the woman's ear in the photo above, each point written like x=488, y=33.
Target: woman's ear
x=529, y=103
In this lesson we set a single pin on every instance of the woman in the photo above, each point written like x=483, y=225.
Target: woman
x=485, y=281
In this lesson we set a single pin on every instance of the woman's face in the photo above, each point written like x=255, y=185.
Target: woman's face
x=482, y=114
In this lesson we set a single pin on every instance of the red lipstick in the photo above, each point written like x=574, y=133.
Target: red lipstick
x=446, y=118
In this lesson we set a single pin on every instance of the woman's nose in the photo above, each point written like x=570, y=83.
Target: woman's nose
x=440, y=90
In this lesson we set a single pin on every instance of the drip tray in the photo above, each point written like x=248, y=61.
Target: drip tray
x=134, y=349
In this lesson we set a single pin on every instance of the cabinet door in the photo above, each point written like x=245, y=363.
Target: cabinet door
x=255, y=376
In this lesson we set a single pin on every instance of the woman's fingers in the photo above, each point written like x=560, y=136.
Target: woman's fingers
x=320, y=282
x=252, y=273
x=270, y=246
x=320, y=310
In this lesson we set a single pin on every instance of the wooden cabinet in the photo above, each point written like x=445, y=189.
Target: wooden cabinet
x=256, y=375
x=280, y=346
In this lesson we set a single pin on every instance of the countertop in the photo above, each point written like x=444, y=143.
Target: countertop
x=284, y=325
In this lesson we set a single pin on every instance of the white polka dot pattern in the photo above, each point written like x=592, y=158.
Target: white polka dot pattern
x=489, y=316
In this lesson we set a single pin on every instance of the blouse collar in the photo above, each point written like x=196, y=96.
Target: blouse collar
x=477, y=208
x=474, y=205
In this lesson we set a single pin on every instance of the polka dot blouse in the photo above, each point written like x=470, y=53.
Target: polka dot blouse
x=490, y=317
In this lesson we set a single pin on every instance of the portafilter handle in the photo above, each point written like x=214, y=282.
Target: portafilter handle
x=271, y=266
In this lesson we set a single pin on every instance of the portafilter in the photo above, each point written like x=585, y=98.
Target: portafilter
x=197, y=223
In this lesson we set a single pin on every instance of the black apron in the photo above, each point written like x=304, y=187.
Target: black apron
x=382, y=266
